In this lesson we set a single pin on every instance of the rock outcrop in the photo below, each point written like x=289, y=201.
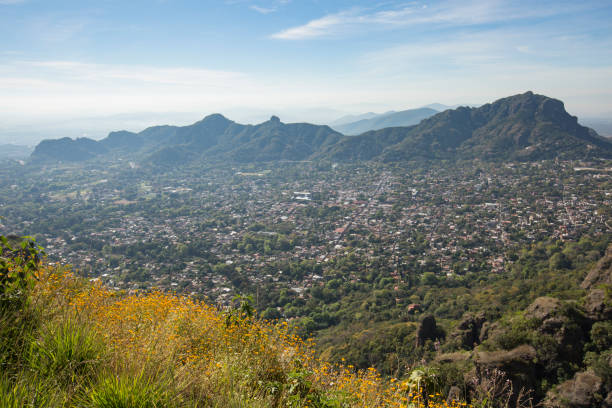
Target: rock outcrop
x=468, y=332
x=428, y=330
x=581, y=391
x=601, y=272
x=518, y=364
x=597, y=306
x=543, y=308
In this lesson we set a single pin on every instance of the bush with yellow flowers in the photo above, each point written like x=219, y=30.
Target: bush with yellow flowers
x=85, y=345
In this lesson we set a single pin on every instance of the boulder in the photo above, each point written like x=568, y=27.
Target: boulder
x=608, y=401
x=519, y=356
x=601, y=273
x=518, y=364
x=581, y=391
x=596, y=306
x=467, y=333
x=428, y=330
x=565, y=324
x=454, y=395
x=543, y=308
x=453, y=357
x=488, y=330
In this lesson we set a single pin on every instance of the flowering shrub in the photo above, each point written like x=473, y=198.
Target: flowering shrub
x=187, y=352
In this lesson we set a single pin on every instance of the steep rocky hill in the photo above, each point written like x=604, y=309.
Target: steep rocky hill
x=525, y=126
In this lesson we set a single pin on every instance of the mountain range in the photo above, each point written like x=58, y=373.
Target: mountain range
x=357, y=124
x=520, y=127
x=389, y=119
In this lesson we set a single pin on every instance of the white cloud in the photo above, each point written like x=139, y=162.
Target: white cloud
x=449, y=12
x=480, y=67
x=488, y=51
x=54, y=28
x=325, y=26
x=5, y=2
x=262, y=10
x=49, y=87
x=79, y=72
x=75, y=89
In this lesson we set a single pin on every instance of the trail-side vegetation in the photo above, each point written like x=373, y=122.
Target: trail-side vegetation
x=65, y=342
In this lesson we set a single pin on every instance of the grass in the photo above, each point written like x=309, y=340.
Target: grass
x=129, y=391
x=92, y=347
x=25, y=392
x=68, y=351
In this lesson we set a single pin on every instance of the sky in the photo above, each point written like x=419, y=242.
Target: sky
x=86, y=67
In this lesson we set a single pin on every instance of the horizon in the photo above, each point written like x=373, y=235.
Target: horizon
x=73, y=69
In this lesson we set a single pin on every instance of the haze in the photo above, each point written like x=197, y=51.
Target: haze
x=73, y=68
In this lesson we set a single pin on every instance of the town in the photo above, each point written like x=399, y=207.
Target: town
x=218, y=232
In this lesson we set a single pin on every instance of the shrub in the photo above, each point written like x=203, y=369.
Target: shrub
x=601, y=335
x=16, y=269
x=494, y=389
x=423, y=382
x=18, y=319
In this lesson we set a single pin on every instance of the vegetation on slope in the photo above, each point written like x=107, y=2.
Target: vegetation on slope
x=65, y=341
x=68, y=342
x=520, y=127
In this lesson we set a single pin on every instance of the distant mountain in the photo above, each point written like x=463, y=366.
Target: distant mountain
x=602, y=126
x=357, y=124
x=390, y=119
x=11, y=151
x=68, y=150
x=520, y=127
x=213, y=138
x=274, y=140
x=123, y=140
x=441, y=107
x=354, y=118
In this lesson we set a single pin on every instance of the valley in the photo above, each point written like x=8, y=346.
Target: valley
x=430, y=244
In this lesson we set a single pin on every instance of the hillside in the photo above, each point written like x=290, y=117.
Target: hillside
x=68, y=150
x=214, y=137
x=519, y=127
x=67, y=342
x=70, y=342
x=391, y=119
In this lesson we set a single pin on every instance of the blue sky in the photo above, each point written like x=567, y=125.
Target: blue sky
x=74, y=67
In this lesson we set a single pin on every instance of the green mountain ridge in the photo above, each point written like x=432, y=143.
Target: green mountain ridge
x=520, y=127
x=524, y=127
